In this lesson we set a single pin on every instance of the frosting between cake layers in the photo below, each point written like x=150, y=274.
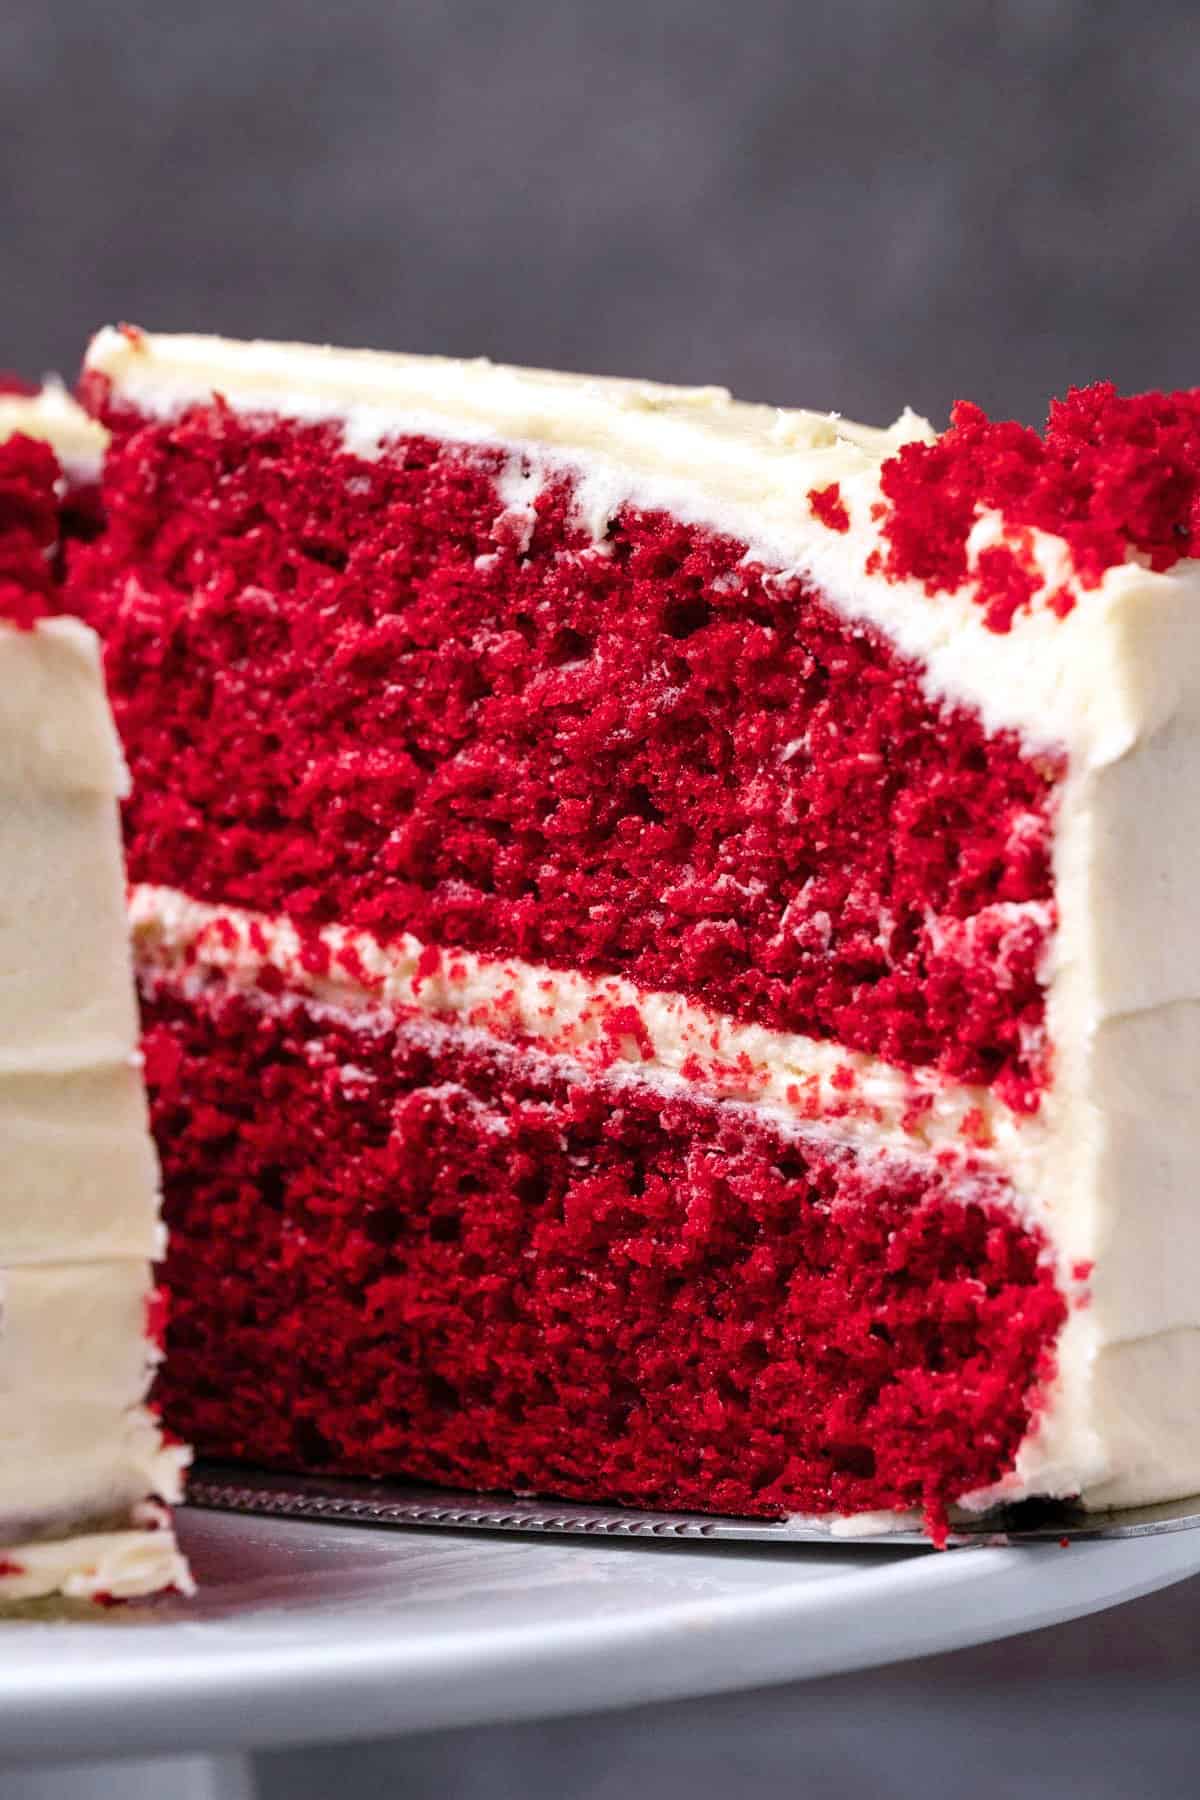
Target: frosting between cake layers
x=606, y=1025
x=78, y=1216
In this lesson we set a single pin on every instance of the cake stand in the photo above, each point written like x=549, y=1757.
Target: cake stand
x=309, y=1632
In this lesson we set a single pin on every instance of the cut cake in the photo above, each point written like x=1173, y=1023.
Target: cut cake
x=664, y=929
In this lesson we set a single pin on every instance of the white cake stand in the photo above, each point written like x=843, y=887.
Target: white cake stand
x=314, y=1633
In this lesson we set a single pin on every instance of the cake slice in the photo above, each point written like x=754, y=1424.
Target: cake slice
x=664, y=929
x=85, y=1478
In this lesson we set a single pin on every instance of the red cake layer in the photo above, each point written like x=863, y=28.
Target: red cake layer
x=360, y=691
x=396, y=1252
x=29, y=507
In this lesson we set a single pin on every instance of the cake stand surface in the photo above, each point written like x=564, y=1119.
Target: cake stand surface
x=305, y=1632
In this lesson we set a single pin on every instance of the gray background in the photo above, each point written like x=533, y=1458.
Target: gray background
x=851, y=204
x=846, y=205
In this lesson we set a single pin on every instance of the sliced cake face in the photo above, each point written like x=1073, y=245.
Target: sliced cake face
x=85, y=1475
x=699, y=875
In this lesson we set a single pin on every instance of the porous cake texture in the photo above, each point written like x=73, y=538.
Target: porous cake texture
x=86, y=1477
x=663, y=929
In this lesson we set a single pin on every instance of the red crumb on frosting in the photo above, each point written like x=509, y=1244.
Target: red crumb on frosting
x=10, y=1567
x=467, y=1267
x=1112, y=475
x=29, y=505
x=828, y=506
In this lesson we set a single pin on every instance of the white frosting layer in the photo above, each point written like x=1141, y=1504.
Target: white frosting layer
x=1122, y=1138
x=63, y=883
x=81, y=1168
x=1115, y=684
x=80, y=1178
x=55, y=724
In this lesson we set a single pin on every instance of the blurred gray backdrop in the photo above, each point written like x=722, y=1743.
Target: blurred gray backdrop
x=851, y=204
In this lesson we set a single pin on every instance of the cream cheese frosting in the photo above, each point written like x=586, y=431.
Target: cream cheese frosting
x=84, y=1468
x=1114, y=686
x=1087, y=682
x=96, y=1565
x=54, y=417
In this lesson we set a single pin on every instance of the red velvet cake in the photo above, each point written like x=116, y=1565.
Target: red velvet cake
x=645, y=996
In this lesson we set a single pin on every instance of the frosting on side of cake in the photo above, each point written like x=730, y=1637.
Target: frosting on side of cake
x=79, y=1213
x=604, y=1024
x=568, y=1282
x=1092, y=680
x=1113, y=677
x=1123, y=1017
x=75, y=1364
